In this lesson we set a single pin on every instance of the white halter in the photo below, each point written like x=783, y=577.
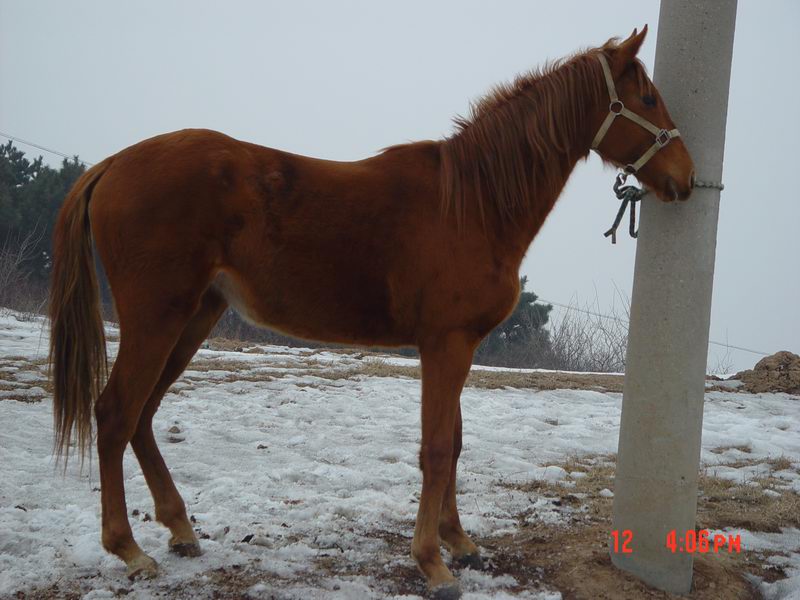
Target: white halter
x=616, y=108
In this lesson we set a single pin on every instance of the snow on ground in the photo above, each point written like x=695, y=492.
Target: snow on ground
x=312, y=469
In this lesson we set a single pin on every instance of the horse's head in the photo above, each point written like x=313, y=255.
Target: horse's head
x=635, y=131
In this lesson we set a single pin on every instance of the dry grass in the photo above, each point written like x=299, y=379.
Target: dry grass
x=225, y=345
x=377, y=368
x=743, y=504
x=545, y=380
x=478, y=378
x=746, y=448
x=233, y=366
x=13, y=388
x=362, y=364
x=377, y=364
x=779, y=463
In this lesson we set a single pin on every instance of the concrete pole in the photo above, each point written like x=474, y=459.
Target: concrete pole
x=662, y=410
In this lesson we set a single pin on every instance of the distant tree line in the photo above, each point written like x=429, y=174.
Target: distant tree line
x=31, y=194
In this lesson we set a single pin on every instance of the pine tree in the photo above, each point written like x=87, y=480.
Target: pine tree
x=30, y=196
x=521, y=340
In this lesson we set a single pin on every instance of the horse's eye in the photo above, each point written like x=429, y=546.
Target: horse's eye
x=649, y=100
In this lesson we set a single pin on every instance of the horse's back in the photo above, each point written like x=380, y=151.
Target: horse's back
x=313, y=247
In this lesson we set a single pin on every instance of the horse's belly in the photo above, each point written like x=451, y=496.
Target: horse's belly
x=347, y=309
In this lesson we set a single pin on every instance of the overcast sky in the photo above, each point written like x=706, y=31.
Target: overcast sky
x=343, y=79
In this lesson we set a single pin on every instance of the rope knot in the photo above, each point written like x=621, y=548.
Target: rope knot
x=628, y=194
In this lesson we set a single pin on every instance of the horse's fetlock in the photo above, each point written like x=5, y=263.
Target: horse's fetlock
x=171, y=515
x=425, y=555
x=114, y=541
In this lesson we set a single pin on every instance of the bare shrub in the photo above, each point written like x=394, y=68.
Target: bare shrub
x=583, y=339
x=18, y=290
x=723, y=363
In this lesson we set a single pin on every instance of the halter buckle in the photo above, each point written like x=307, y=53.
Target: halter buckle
x=663, y=138
x=616, y=103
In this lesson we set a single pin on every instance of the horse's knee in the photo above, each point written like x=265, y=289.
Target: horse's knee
x=435, y=459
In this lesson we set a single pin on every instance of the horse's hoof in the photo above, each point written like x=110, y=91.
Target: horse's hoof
x=446, y=591
x=472, y=561
x=142, y=567
x=187, y=550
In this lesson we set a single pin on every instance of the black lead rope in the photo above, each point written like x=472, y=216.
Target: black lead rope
x=629, y=194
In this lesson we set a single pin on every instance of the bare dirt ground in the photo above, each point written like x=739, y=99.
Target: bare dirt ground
x=779, y=372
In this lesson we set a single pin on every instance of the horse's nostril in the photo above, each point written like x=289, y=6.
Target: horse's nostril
x=691, y=181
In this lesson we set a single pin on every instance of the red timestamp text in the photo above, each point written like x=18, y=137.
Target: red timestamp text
x=690, y=542
x=702, y=542
x=621, y=541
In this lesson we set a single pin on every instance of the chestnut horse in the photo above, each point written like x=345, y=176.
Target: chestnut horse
x=418, y=246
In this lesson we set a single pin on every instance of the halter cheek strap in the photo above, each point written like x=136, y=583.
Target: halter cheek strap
x=617, y=108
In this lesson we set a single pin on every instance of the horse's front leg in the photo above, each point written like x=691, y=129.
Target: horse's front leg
x=464, y=551
x=445, y=364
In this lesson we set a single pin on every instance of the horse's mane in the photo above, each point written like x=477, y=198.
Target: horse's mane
x=518, y=138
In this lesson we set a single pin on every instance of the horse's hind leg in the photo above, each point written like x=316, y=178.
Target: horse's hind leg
x=465, y=553
x=150, y=326
x=169, y=506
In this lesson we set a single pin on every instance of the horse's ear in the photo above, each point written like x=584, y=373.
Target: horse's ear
x=624, y=54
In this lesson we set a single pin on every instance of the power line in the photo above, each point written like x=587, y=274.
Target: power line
x=626, y=322
x=588, y=312
x=583, y=310
x=40, y=147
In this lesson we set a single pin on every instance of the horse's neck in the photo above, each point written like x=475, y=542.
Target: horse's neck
x=513, y=238
x=510, y=161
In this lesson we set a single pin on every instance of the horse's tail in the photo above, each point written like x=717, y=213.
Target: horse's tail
x=78, y=362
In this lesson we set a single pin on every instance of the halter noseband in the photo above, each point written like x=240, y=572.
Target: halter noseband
x=616, y=108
